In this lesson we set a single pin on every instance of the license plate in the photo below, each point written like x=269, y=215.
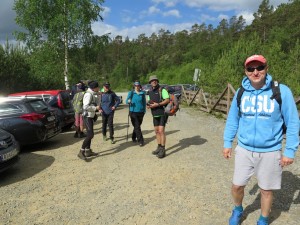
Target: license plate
x=51, y=118
x=9, y=155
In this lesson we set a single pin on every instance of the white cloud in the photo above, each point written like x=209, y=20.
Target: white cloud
x=173, y=12
x=153, y=10
x=167, y=3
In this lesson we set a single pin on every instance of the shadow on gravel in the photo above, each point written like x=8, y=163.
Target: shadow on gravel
x=124, y=145
x=283, y=199
x=59, y=141
x=185, y=143
x=29, y=165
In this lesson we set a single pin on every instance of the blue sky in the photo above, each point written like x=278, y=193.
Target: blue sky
x=134, y=17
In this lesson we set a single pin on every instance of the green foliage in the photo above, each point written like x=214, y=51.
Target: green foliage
x=59, y=31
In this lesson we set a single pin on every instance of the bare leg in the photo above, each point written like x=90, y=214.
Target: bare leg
x=266, y=202
x=237, y=194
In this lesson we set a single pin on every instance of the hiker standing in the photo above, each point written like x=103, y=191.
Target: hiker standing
x=158, y=98
x=77, y=105
x=89, y=112
x=258, y=122
x=109, y=103
x=137, y=109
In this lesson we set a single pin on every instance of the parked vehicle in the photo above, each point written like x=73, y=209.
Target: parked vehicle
x=9, y=150
x=146, y=88
x=28, y=120
x=58, y=99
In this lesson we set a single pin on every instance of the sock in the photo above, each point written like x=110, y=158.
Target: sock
x=265, y=219
x=162, y=146
x=159, y=145
x=239, y=208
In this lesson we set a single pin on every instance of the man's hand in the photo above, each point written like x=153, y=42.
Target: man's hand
x=227, y=153
x=285, y=161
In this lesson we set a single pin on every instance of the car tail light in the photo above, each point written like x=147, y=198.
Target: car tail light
x=32, y=116
x=60, y=102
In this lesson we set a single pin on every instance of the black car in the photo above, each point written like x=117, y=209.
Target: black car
x=9, y=150
x=28, y=120
x=59, y=100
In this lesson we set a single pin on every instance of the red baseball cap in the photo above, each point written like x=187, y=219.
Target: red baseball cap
x=258, y=58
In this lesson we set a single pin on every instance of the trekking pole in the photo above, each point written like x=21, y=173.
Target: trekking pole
x=128, y=120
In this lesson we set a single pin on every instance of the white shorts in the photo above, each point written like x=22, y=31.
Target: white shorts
x=265, y=166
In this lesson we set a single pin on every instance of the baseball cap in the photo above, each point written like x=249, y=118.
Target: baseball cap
x=258, y=58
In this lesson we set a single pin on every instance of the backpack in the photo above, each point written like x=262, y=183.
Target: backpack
x=173, y=106
x=77, y=102
x=276, y=95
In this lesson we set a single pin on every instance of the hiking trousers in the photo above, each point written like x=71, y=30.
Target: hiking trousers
x=137, y=120
x=89, y=124
x=108, y=120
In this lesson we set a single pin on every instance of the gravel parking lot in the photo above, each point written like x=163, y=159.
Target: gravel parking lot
x=126, y=184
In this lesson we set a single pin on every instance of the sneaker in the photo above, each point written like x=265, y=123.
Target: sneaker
x=82, y=135
x=141, y=144
x=81, y=155
x=112, y=141
x=155, y=152
x=261, y=222
x=104, y=138
x=76, y=135
x=235, y=217
x=89, y=153
x=161, y=153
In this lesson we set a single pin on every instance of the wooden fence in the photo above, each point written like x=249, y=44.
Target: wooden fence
x=214, y=103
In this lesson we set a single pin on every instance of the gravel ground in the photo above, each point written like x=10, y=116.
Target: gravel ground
x=126, y=184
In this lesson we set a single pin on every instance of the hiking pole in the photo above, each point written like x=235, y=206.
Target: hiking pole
x=128, y=120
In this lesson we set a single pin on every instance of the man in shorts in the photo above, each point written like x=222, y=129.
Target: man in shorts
x=158, y=98
x=258, y=122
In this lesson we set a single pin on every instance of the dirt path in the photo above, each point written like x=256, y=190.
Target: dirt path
x=126, y=184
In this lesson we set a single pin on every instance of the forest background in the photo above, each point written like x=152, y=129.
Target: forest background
x=54, y=57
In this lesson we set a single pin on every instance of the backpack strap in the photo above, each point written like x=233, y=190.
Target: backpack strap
x=239, y=97
x=276, y=93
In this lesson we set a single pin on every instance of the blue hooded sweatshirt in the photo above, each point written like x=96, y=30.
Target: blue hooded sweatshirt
x=258, y=122
x=138, y=101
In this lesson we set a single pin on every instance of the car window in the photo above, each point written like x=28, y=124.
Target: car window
x=65, y=96
x=38, y=106
x=11, y=108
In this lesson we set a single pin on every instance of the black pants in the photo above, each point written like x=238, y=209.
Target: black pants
x=108, y=119
x=137, y=120
x=89, y=124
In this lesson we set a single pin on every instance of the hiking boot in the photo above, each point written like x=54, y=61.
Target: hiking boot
x=155, y=152
x=82, y=135
x=104, y=138
x=261, y=222
x=235, y=217
x=76, y=135
x=161, y=153
x=89, y=153
x=81, y=155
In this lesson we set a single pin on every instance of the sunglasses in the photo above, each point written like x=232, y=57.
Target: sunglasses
x=259, y=68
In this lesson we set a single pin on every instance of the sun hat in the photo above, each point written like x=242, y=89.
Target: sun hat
x=258, y=58
x=153, y=77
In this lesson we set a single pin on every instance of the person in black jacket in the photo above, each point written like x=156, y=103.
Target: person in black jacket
x=158, y=98
x=108, y=104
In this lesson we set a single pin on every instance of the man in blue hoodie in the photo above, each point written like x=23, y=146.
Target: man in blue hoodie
x=258, y=124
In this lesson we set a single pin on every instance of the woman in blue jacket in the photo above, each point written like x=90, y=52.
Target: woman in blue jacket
x=137, y=109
